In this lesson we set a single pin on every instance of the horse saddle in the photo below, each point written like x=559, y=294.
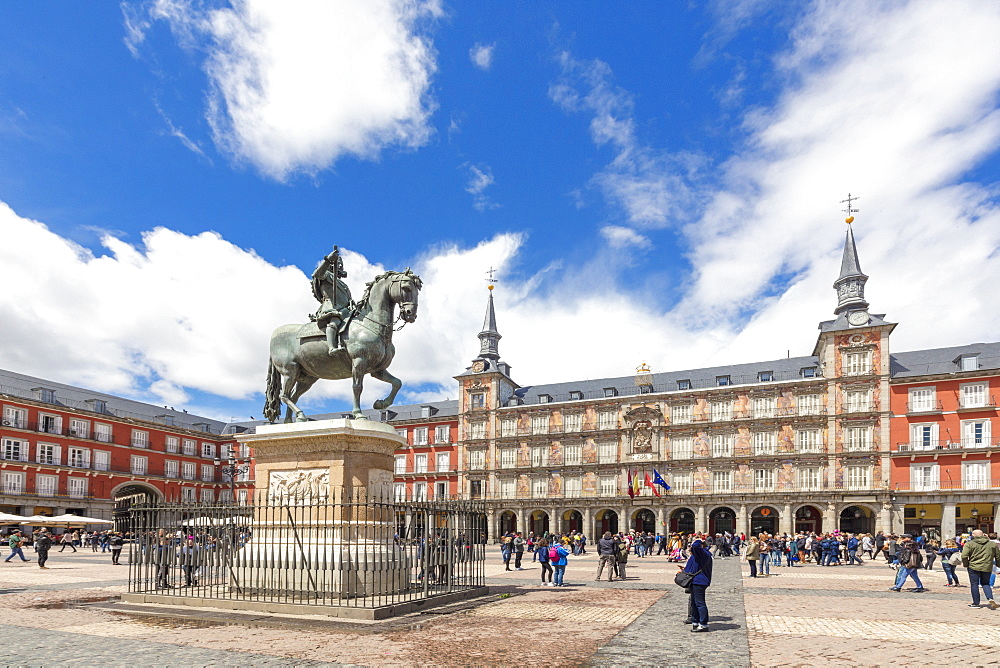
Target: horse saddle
x=311, y=332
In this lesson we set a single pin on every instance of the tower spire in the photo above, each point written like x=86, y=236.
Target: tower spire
x=489, y=338
x=850, y=285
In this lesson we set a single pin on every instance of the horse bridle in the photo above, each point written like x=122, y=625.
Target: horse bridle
x=397, y=297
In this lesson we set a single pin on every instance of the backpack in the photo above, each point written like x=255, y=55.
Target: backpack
x=553, y=554
x=955, y=559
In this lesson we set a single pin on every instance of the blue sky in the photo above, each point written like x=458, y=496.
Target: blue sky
x=656, y=182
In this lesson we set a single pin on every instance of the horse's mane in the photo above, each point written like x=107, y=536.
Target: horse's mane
x=363, y=302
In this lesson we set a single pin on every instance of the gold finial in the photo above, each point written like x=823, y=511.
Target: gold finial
x=489, y=278
x=850, y=199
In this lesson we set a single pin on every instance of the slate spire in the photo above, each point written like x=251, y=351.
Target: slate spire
x=850, y=286
x=489, y=338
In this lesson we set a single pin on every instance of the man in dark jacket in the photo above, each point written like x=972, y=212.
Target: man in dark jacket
x=699, y=564
x=606, y=553
x=910, y=560
x=42, y=546
x=979, y=555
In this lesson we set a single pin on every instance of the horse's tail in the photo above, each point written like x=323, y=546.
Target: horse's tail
x=272, y=402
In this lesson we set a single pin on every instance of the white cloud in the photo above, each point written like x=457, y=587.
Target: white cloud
x=480, y=178
x=624, y=237
x=481, y=55
x=295, y=86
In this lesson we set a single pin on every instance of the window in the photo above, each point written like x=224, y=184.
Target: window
x=539, y=488
x=722, y=482
x=170, y=468
x=189, y=447
x=77, y=487
x=859, y=477
x=507, y=488
x=508, y=427
x=78, y=457
x=575, y=395
x=13, y=482
x=477, y=400
x=573, y=486
x=15, y=417
x=975, y=475
x=539, y=424
x=100, y=406
x=608, y=485
x=808, y=372
x=49, y=454
x=420, y=491
x=420, y=463
x=50, y=424
x=400, y=464
x=975, y=433
x=420, y=436
x=973, y=395
x=208, y=450
x=440, y=490
x=241, y=496
x=684, y=385
x=207, y=495
x=859, y=401
x=442, y=434
x=225, y=496
x=968, y=362
x=762, y=407
x=573, y=422
x=722, y=381
x=607, y=420
x=139, y=465
x=540, y=456
x=573, y=454
x=765, y=376
x=15, y=450
x=808, y=479
x=477, y=460
x=858, y=363
x=610, y=392
x=207, y=473
x=47, y=485
x=680, y=447
x=140, y=439
x=187, y=470
x=607, y=453
x=924, y=477
x=443, y=462
x=426, y=411
x=807, y=440
x=46, y=395
x=79, y=428
x=923, y=436
x=808, y=404
x=102, y=432
x=721, y=411
x=681, y=483
x=858, y=439
x=544, y=399
x=922, y=399
x=508, y=458
x=763, y=443
x=680, y=414
x=399, y=491
x=763, y=479
x=477, y=430
x=188, y=495
x=722, y=445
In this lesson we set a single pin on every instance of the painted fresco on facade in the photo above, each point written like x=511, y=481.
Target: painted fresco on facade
x=555, y=485
x=701, y=480
x=785, y=403
x=741, y=407
x=742, y=445
x=786, y=476
x=523, y=486
x=556, y=454
x=786, y=439
x=589, y=452
x=523, y=455
x=589, y=484
x=699, y=413
x=743, y=479
x=701, y=445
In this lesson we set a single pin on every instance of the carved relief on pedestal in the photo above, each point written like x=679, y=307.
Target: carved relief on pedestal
x=298, y=483
x=643, y=425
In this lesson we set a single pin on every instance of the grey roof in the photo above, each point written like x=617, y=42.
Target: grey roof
x=943, y=360
x=490, y=321
x=850, y=266
x=77, y=398
x=739, y=374
x=439, y=410
x=840, y=323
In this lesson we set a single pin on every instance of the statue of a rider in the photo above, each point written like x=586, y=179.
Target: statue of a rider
x=334, y=297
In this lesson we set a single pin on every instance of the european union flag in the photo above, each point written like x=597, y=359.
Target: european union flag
x=658, y=479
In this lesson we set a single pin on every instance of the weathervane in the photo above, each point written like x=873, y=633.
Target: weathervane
x=490, y=281
x=850, y=211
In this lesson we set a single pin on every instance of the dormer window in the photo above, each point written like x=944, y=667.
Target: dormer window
x=544, y=398
x=610, y=392
x=576, y=395
x=722, y=381
x=684, y=385
x=645, y=389
x=808, y=372
x=98, y=405
x=765, y=377
x=426, y=411
x=46, y=395
x=966, y=363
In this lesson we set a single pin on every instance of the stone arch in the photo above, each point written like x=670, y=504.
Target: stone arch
x=125, y=495
x=605, y=519
x=682, y=520
x=506, y=521
x=807, y=518
x=764, y=519
x=571, y=521
x=857, y=518
x=643, y=519
x=722, y=519
x=538, y=521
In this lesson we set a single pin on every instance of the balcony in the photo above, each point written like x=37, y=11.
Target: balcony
x=859, y=407
x=973, y=484
x=920, y=407
x=937, y=446
x=981, y=404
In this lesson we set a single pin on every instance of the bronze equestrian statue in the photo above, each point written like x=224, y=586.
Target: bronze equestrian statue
x=344, y=339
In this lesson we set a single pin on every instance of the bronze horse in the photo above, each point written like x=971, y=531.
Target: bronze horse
x=300, y=355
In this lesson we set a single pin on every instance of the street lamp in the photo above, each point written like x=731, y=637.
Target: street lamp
x=233, y=468
x=975, y=511
x=923, y=513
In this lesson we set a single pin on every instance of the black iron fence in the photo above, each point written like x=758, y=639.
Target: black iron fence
x=351, y=550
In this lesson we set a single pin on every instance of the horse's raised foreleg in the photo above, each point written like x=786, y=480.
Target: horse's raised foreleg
x=288, y=387
x=357, y=378
x=387, y=377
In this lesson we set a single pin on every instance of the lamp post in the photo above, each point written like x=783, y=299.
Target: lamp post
x=233, y=468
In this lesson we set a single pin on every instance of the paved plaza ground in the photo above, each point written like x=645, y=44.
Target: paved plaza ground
x=803, y=616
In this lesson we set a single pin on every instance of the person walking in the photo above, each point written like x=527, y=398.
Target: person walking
x=979, y=556
x=606, y=554
x=542, y=553
x=506, y=550
x=43, y=543
x=765, y=557
x=116, y=543
x=66, y=541
x=559, y=565
x=949, y=562
x=752, y=554
x=622, y=559
x=16, y=543
x=930, y=554
x=910, y=560
x=698, y=564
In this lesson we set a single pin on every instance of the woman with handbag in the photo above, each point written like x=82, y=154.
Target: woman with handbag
x=696, y=577
x=752, y=554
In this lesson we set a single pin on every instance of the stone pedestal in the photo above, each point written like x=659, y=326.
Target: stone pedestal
x=318, y=527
